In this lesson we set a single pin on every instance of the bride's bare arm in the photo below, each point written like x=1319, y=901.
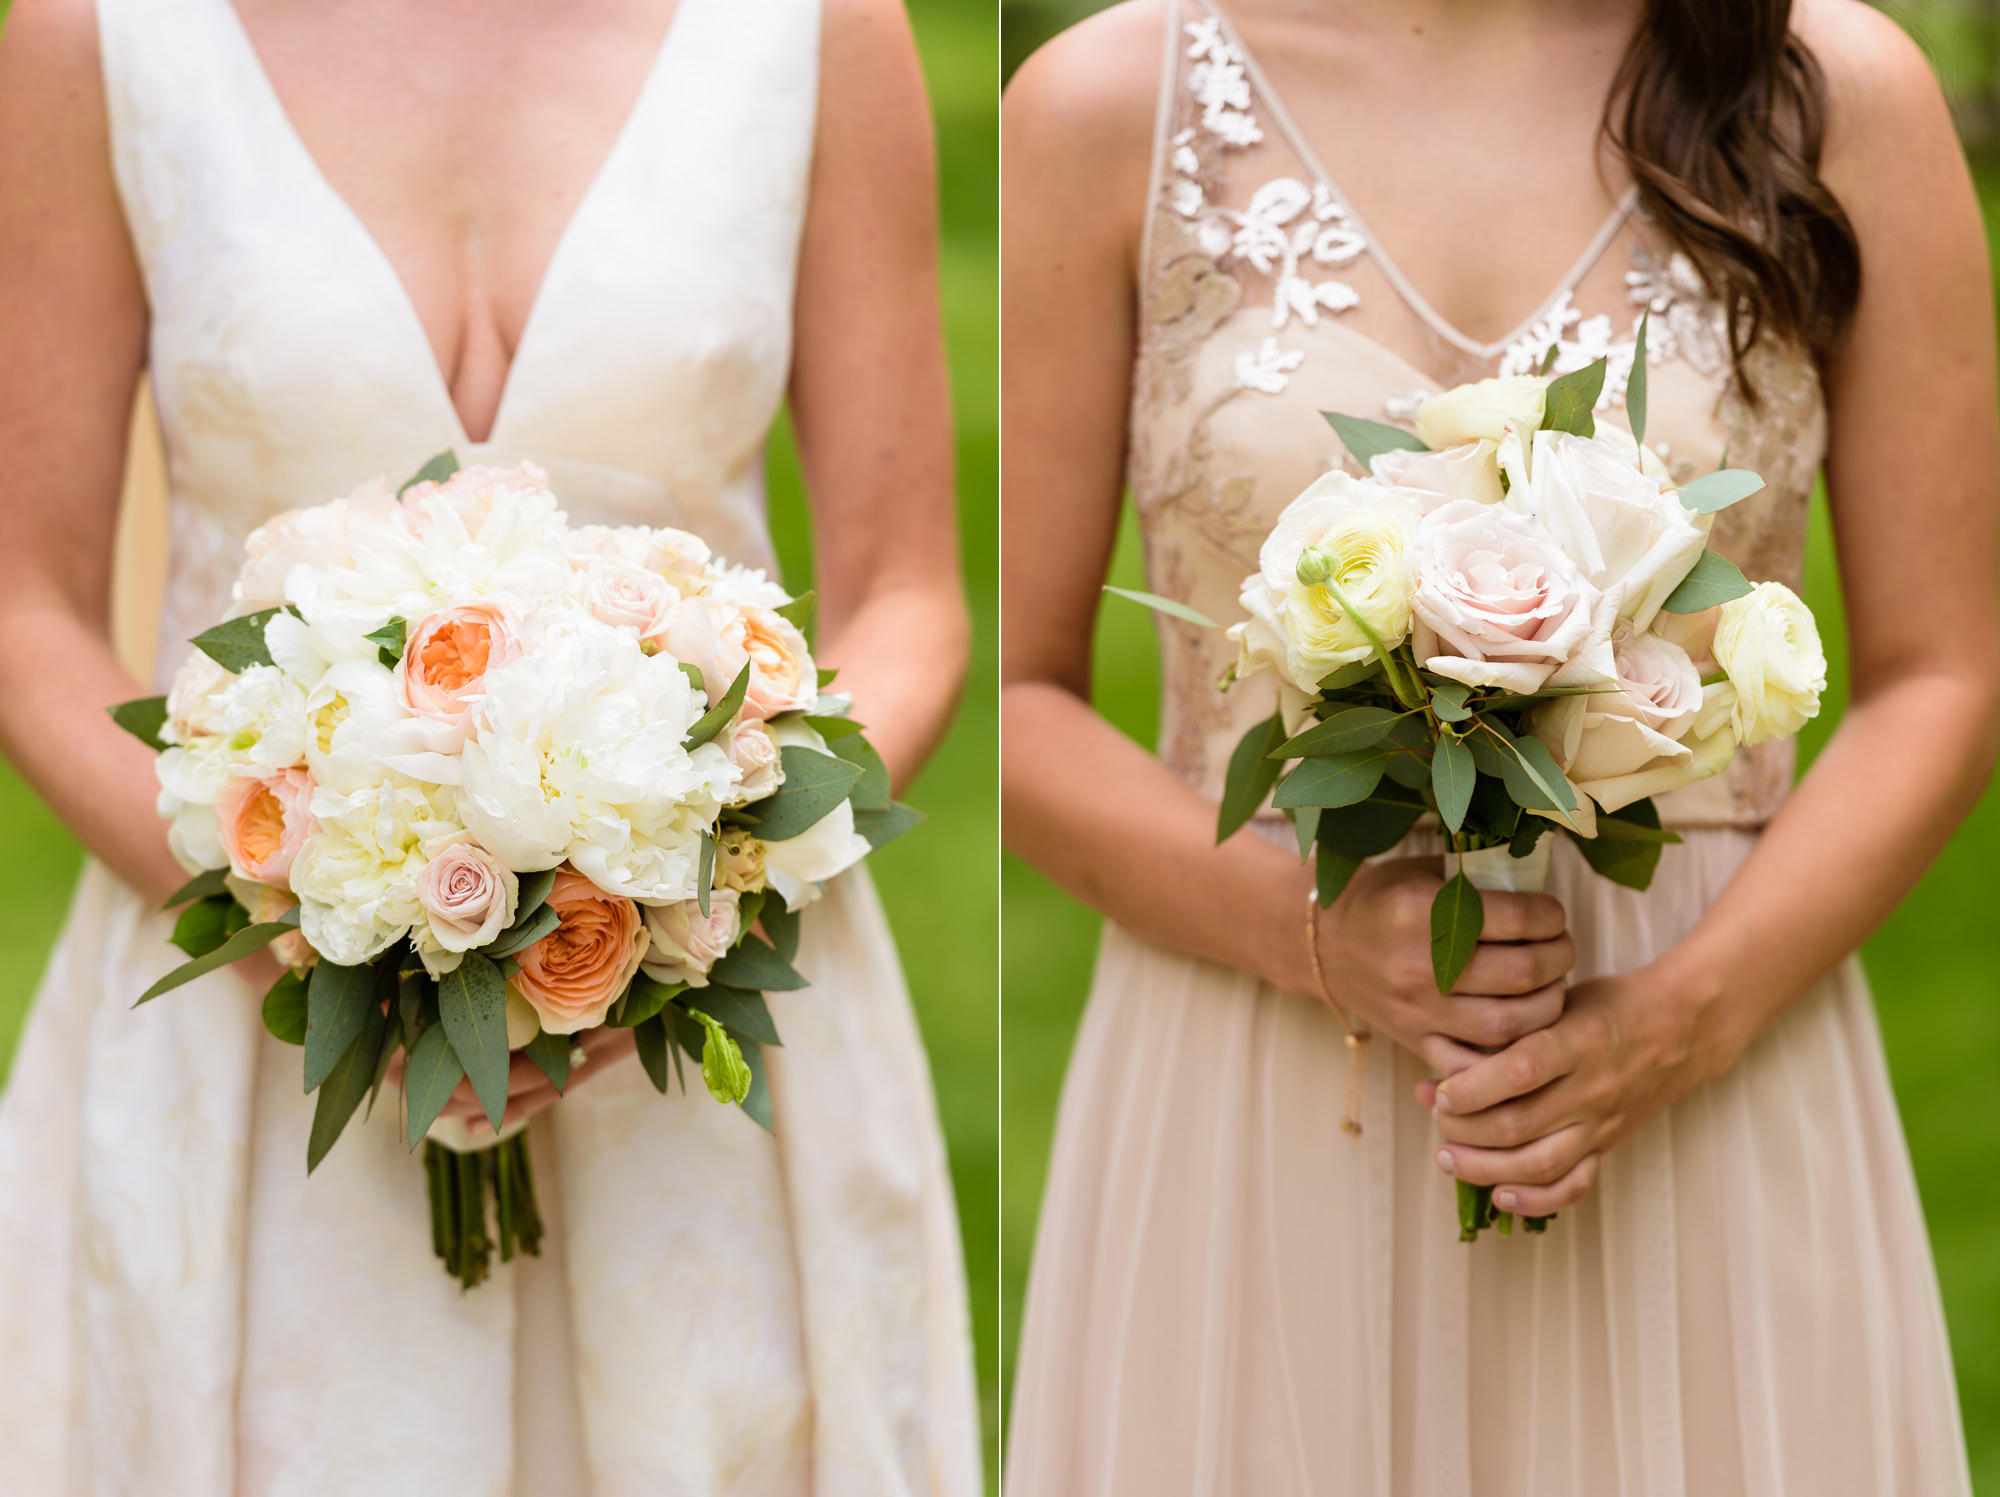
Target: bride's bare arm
x=1913, y=472
x=72, y=344
x=870, y=402
x=1082, y=802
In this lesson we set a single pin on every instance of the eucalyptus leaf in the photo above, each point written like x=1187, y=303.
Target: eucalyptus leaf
x=694, y=675
x=285, y=1009
x=751, y=964
x=743, y=1013
x=522, y=934
x=1345, y=731
x=1368, y=440
x=250, y=938
x=1457, y=917
x=1251, y=775
x=535, y=891
x=237, y=644
x=798, y=613
x=1408, y=771
x=143, y=719
x=203, y=925
x=704, y=883
x=389, y=640
x=650, y=1040
x=432, y=1075
x=1452, y=777
x=1351, y=675
x=1714, y=579
x=1540, y=783
x=437, y=470
x=1305, y=826
x=1635, y=383
x=643, y=997
x=472, y=1005
x=1448, y=700
x=1333, y=779
x=782, y=926
x=349, y=1081
x=883, y=827
x=814, y=784
x=214, y=881
x=757, y=1101
x=1332, y=872
x=337, y=1000
x=1627, y=846
x=717, y=717
x=1164, y=605
x=830, y=727
x=1572, y=398
x=1718, y=490
x=551, y=1053
x=1526, y=835
x=871, y=791
x=1371, y=826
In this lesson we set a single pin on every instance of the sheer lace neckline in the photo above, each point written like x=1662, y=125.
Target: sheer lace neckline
x=1384, y=262
x=438, y=378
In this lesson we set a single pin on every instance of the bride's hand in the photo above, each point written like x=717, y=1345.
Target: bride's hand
x=1533, y=1120
x=1375, y=948
x=528, y=1090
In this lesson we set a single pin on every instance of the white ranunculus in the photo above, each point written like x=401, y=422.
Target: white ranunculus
x=1768, y=645
x=1499, y=603
x=262, y=717
x=578, y=756
x=1620, y=526
x=1365, y=536
x=1481, y=412
x=356, y=877
x=1431, y=479
x=1640, y=723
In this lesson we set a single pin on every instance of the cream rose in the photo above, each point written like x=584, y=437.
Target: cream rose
x=1361, y=538
x=1768, y=644
x=1481, y=411
x=686, y=943
x=627, y=597
x=754, y=753
x=1431, y=479
x=1500, y=604
x=263, y=823
x=1623, y=528
x=578, y=970
x=468, y=897
x=1636, y=725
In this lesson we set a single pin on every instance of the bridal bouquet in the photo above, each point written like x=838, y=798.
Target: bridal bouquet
x=1514, y=624
x=484, y=781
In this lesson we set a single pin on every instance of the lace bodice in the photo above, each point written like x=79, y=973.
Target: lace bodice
x=289, y=364
x=1265, y=300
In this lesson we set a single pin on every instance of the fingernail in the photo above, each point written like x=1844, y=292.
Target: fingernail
x=1444, y=1101
x=1446, y=1163
x=1506, y=1200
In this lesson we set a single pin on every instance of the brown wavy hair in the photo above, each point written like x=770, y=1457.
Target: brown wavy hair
x=1719, y=112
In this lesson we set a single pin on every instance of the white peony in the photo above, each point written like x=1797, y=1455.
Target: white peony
x=194, y=700
x=1365, y=537
x=347, y=715
x=356, y=877
x=1624, y=530
x=1768, y=644
x=262, y=718
x=1481, y=412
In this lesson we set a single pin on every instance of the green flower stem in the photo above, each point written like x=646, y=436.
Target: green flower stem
x=1405, y=692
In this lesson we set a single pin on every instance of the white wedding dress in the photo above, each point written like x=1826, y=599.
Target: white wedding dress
x=183, y=1312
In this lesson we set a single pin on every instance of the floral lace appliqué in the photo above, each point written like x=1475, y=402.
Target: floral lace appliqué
x=1287, y=226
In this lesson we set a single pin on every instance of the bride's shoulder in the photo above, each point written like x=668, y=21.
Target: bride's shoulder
x=1080, y=111
x=1877, y=78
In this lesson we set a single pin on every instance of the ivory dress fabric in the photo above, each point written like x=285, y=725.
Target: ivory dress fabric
x=183, y=1312
x=1229, y=1294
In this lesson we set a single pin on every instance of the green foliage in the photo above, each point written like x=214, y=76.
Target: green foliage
x=551, y=1053
x=1372, y=825
x=389, y=641
x=1636, y=383
x=782, y=926
x=237, y=644
x=214, y=881
x=348, y=1082
x=472, y=1003
x=143, y=719
x=1627, y=846
x=207, y=923
x=650, y=1039
x=643, y=997
x=1452, y=776
x=717, y=717
x=1330, y=780
x=337, y=1002
x=1367, y=440
x=1165, y=605
x=437, y=470
x=1718, y=490
x=1571, y=399
x=250, y=938
x=1457, y=917
x=524, y=932
x=743, y=1013
x=285, y=1008
x=432, y=1075
x=752, y=964
x=871, y=791
x=798, y=613
x=722, y=1069
x=814, y=784
x=1252, y=773
x=883, y=827
x=1714, y=579
x=1341, y=732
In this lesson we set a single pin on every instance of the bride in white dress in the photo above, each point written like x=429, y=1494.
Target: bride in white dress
x=608, y=238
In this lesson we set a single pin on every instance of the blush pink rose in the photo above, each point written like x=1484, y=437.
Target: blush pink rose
x=263, y=824
x=625, y=596
x=468, y=896
x=577, y=971
x=686, y=943
x=755, y=754
x=718, y=637
x=466, y=497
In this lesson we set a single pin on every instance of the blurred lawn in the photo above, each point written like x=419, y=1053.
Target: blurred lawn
x=939, y=883
x=1934, y=967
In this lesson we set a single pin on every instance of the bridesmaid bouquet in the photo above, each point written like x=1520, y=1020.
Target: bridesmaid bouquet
x=1514, y=624
x=483, y=782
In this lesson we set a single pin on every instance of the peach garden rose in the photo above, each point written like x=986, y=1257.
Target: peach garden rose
x=263, y=824
x=576, y=972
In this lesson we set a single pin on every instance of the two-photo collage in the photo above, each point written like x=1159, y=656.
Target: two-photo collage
x=908, y=748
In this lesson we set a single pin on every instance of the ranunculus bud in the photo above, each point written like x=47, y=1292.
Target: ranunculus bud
x=1314, y=567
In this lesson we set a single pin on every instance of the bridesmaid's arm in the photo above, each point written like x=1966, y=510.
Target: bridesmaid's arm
x=72, y=346
x=870, y=400
x=1913, y=472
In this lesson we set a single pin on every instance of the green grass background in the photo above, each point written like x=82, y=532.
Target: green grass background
x=940, y=882
x=1934, y=966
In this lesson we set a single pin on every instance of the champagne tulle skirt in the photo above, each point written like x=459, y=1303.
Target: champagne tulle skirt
x=1231, y=1296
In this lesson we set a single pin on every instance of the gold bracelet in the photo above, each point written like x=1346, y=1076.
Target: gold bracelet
x=1357, y=1039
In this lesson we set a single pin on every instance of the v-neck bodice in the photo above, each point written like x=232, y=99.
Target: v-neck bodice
x=1264, y=301
x=289, y=364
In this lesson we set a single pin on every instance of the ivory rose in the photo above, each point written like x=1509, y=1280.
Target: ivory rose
x=1430, y=479
x=686, y=943
x=1364, y=537
x=1481, y=411
x=1634, y=725
x=1622, y=528
x=718, y=637
x=468, y=897
x=441, y=679
x=264, y=822
x=577, y=971
x=1498, y=603
x=1768, y=644
x=627, y=597
x=754, y=753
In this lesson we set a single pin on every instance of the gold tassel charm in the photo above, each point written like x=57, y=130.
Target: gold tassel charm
x=1357, y=1039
